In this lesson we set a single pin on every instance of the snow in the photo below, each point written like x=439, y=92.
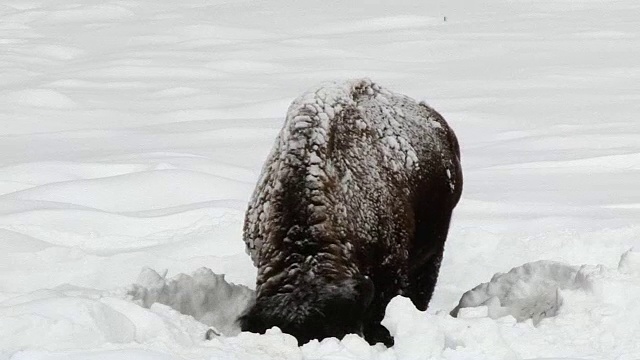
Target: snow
x=529, y=291
x=204, y=295
x=134, y=131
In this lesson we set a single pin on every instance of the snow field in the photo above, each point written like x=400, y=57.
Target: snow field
x=133, y=133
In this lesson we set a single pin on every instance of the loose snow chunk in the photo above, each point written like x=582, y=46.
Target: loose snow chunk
x=420, y=335
x=352, y=347
x=248, y=346
x=416, y=337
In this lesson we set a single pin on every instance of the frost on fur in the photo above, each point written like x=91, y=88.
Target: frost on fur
x=356, y=193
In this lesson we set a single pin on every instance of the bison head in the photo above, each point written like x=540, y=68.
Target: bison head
x=314, y=309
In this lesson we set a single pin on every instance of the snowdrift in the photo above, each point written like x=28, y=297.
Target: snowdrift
x=511, y=317
x=133, y=131
x=204, y=295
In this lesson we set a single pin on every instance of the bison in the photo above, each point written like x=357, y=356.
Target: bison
x=352, y=208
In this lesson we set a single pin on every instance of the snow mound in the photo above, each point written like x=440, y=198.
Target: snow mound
x=526, y=292
x=274, y=344
x=536, y=290
x=206, y=296
x=595, y=310
x=421, y=335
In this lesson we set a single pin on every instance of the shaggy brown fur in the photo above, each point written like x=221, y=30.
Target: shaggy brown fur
x=352, y=208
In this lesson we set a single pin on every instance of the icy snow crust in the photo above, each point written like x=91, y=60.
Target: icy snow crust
x=133, y=132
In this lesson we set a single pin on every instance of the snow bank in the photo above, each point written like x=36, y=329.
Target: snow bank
x=549, y=309
x=77, y=318
x=206, y=296
x=597, y=314
x=529, y=291
x=155, y=313
x=574, y=307
x=535, y=290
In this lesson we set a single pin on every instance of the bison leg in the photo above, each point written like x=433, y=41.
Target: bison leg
x=426, y=257
x=373, y=331
x=423, y=281
x=386, y=287
x=376, y=333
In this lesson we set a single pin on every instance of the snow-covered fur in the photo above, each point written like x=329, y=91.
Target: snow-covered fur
x=352, y=208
